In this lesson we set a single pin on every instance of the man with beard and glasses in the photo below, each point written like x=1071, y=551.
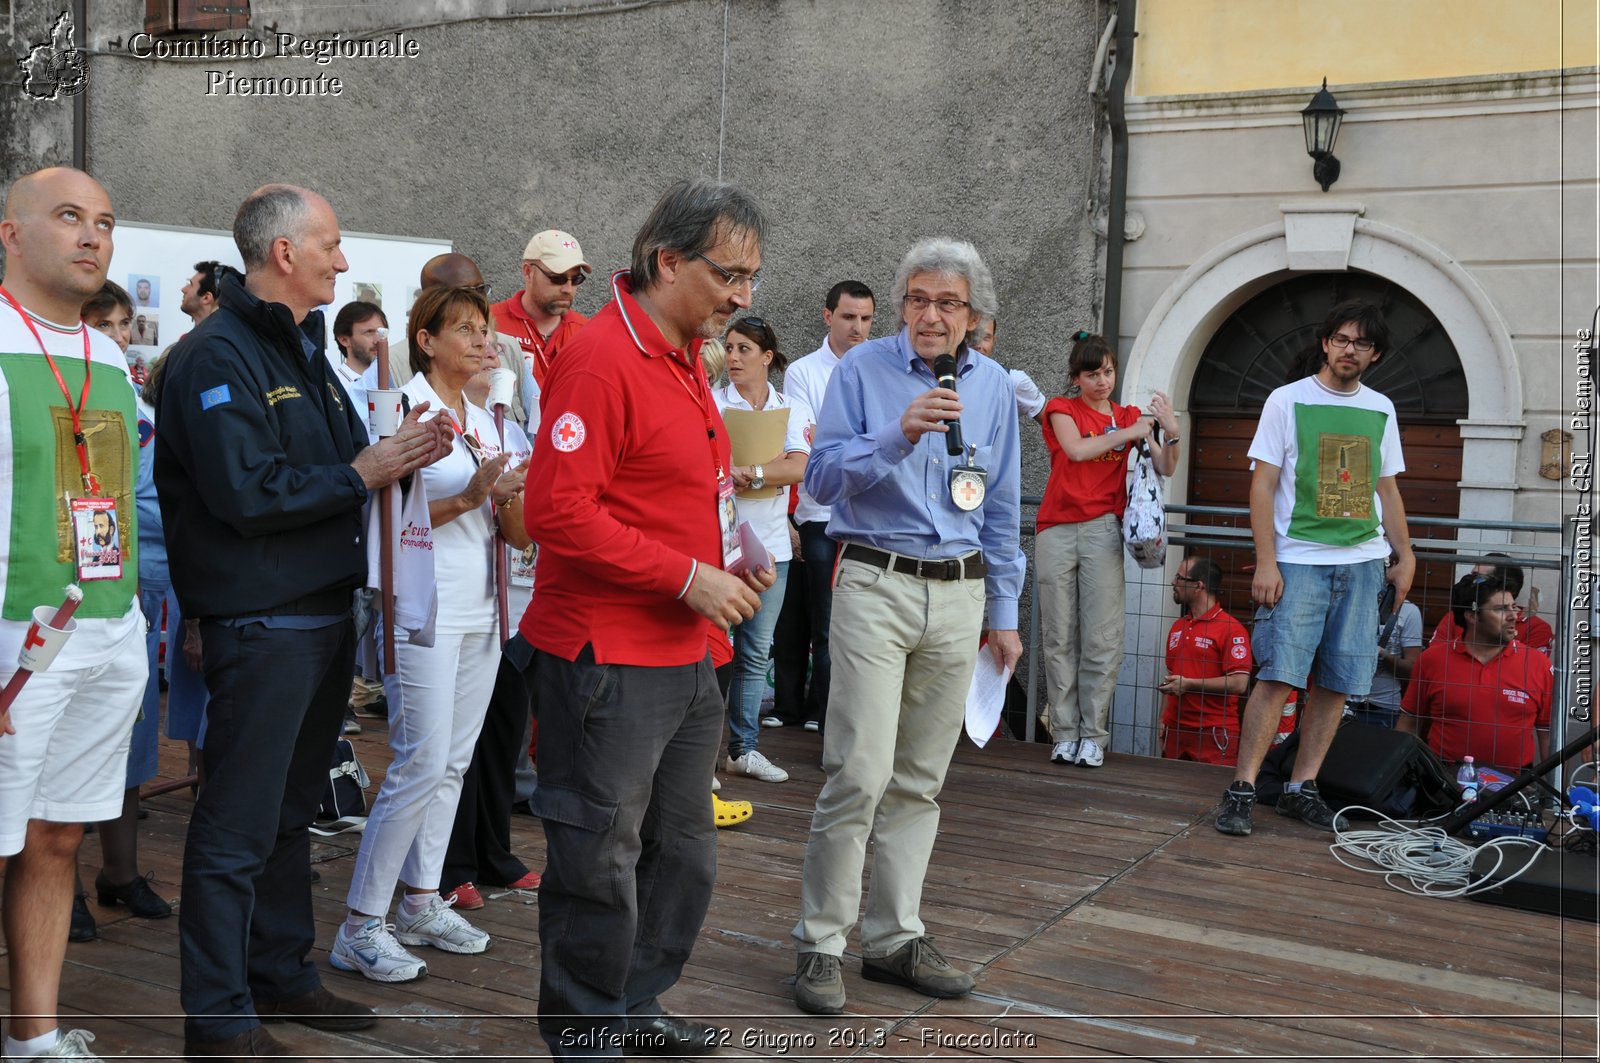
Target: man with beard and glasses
x=1325, y=456
x=1484, y=693
x=540, y=316
x=1208, y=668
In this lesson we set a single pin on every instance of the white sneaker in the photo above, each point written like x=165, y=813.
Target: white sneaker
x=72, y=1044
x=716, y=784
x=813, y=725
x=441, y=926
x=1064, y=752
x=374, y=952
x=771, y=721
x=757, y=766
x=1090, y=755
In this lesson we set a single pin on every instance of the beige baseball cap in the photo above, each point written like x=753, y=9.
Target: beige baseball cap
x=557, y=251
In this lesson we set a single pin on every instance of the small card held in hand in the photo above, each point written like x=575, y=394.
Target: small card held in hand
x=753, y=553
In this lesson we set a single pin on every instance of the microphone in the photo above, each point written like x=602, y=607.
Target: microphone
x=944, y=367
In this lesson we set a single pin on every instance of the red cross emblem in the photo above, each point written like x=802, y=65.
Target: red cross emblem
x=567, y=434
x=33, y=638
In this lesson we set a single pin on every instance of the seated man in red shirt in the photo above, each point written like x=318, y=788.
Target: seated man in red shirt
x=1208, y=668
x=1532, y=632
x=1483, y=694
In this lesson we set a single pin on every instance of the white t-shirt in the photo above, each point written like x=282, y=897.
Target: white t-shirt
x=1331, y=450
x=463, y=550
x=1407, y=632
x=769, y=517
x=519, y=591
x=1030, y=400
x=805, y=383
x=37, y=472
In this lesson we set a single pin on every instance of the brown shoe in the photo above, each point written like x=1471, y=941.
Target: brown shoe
x=918, y=965
x=252, y=1043
x=320, y=1010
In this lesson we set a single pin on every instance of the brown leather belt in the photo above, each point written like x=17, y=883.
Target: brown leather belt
x=969, y=567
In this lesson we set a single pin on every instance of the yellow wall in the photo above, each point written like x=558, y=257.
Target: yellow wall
x=1202, y=47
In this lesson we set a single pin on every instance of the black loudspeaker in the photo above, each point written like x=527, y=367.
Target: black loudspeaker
x=1560, y=882
x=1391, y=771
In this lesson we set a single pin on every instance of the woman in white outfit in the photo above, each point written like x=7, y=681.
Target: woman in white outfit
x=445, y=686
x=752, y=355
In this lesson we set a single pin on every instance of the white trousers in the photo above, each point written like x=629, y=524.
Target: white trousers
x=445, y=694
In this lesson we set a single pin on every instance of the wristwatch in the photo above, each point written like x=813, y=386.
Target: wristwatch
x=758, y=477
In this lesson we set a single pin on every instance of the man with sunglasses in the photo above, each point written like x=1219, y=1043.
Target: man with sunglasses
x=540, y=316
x=1324, y=459
x=1208, y=668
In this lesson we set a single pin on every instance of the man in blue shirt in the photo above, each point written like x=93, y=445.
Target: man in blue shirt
x=928, y=543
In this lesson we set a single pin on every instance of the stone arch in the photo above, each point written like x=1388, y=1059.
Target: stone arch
x=1174, y=335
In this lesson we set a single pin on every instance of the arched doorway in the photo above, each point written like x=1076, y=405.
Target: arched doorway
x=1256, y=349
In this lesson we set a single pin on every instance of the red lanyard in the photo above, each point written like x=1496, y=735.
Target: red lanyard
x=90, y=482
x=704, y=401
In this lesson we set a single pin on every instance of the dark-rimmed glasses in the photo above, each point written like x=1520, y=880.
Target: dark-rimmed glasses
x=729, y=277
x=575, y=278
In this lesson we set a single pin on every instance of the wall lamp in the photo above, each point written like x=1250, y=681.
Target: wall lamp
x=1321, y=118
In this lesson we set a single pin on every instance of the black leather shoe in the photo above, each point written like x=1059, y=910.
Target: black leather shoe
x=664, y=1035
x=320, y=1010
x=82, y=928
x=137, y=895
x=252, y=1043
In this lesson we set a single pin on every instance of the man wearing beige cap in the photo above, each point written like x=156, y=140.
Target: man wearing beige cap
x=540, y=316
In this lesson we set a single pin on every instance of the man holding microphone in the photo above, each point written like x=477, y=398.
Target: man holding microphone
x=929, y=545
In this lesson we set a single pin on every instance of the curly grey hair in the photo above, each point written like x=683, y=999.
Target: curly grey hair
x=952, y=258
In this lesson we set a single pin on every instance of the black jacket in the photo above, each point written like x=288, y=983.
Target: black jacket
x=254, y=440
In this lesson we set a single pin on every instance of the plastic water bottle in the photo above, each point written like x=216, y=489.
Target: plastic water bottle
x=1467, y=779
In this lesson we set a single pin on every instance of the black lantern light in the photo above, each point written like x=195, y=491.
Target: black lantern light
x=1321, y=118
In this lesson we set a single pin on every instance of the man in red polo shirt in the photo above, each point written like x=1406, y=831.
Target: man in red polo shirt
x=1483, y=694
x=540, y=316
x=626, y=497
x=1532, y=631
x=1208, y=668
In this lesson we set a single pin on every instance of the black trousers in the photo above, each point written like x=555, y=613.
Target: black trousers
x=625, y=761
x=245, y=932
x=791, y=649
x=480, y=842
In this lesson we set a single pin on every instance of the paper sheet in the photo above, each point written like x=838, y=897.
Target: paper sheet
x=986, y=697
x=753, y=555
x=757, y=439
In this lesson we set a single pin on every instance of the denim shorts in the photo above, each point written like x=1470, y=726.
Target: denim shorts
x=1323, y=628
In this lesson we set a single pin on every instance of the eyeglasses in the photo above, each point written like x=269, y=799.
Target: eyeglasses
x=575, y=278
x=486, y=290
x=1186, y=579
x=730, y=278
x=1503, y=610
x=1341, y=341
x=918, y=303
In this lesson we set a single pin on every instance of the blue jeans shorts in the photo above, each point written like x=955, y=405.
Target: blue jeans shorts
x=1322, y=628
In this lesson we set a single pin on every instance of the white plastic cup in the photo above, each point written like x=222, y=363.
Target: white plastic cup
x=43, y=642
x=383, y=411
x=502, y=385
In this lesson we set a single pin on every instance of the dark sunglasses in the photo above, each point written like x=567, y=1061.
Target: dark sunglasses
x=575, y=278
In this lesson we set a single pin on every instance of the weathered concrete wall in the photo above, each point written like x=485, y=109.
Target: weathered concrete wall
x=860, y=127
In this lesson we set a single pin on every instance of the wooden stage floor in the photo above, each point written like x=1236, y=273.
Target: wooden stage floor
x=1108, y=917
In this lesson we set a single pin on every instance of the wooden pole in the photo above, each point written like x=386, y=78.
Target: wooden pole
x=386, y=547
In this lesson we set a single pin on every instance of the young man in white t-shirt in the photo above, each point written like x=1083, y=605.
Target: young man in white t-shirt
x=1325, y=457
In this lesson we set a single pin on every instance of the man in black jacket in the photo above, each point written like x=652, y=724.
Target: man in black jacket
x=262, y=472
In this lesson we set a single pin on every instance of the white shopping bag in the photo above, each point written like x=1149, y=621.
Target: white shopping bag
x=416, y=595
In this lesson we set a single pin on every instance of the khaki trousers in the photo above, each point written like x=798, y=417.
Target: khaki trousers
x=1081, y=610
x=903, y=652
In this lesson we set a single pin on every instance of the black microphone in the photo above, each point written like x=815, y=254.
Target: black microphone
x=944, y=367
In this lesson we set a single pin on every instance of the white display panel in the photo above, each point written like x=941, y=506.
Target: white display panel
x=164, y=257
